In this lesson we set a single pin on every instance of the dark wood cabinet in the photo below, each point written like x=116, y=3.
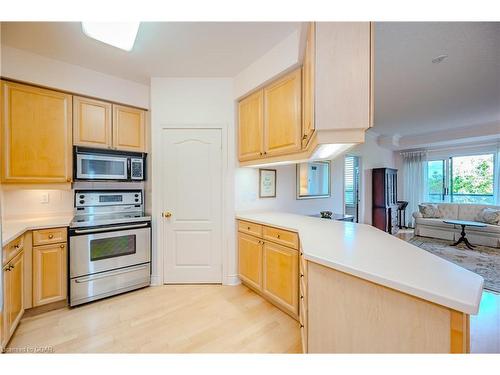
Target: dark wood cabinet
x=384, y=198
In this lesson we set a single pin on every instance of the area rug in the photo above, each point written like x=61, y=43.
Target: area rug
x=483, y=260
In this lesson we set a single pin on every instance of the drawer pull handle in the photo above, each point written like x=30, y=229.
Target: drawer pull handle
x=248, y=228
x=51, y=236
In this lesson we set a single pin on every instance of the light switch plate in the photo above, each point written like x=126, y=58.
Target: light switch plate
x=44, y=198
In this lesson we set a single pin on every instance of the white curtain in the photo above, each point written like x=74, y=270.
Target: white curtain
x=414, y=180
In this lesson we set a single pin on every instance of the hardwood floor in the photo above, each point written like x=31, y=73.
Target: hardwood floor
x=166, y=319
x=194, y=319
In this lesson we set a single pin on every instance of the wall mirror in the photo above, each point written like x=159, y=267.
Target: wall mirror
x=313, y=180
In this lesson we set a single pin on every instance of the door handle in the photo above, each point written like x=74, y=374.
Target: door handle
x=166, y=214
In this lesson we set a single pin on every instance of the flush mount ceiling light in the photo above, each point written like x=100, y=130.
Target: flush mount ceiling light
x=438, y=59
x=117, y=34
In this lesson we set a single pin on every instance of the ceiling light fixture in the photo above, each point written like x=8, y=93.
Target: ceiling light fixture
x=117, y=34
x=440, y=58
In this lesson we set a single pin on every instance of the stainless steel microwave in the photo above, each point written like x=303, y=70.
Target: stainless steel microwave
x=93, y=164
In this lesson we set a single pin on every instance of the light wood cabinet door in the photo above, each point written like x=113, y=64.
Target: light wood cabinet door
x=308, y=87
x=15, y=292
x=129, y=129
x=251, y=127
x=36, y=127
x=91, y=123
x=282, y=115
x=281, y=274
x=250, y=260
x=49, y=274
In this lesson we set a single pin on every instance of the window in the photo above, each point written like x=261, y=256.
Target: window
x=351, y=186
x=462, y=179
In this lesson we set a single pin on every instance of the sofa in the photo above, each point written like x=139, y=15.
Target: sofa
x=434, y=227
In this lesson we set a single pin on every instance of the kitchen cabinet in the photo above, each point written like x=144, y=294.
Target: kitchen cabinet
x=282, y=115
x=308, y=77
x=269, y=120
x=281, y=276
x=268, y=263
x=100, y=124
x=129, y=129
x=13, y=284
x=250, y=260
x=251, y=126
x=49, y=266
x=92, y=123
x=35, y=134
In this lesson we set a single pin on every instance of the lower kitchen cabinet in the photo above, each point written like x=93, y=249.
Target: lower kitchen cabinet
x=49, y=273
x=13, y=284
x=268, y=266
x=281, y=276
x=250, y=260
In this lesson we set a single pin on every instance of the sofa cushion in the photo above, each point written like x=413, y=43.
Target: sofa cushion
x=467, y=211
x=435, y=222
x=448, y=210
x=489, y=216
x=493, y=229
x=429, y=210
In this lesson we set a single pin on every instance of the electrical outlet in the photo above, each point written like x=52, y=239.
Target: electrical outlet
x=44, y=198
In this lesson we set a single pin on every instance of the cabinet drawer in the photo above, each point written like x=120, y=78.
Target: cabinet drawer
x=49, y=236
x=12, y=248
x=281, y=236
x=250, y=228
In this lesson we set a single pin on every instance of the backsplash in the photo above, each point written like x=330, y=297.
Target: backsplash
x=19, y=203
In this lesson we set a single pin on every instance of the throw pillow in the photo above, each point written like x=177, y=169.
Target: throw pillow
x=429, y=210
x=489, y=216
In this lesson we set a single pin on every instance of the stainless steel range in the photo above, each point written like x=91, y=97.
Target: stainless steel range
x=110, y=244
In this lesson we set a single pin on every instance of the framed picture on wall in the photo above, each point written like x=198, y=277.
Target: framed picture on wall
x=267, y=183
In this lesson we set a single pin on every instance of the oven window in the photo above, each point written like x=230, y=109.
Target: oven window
x=95, y=167
x=104, y=248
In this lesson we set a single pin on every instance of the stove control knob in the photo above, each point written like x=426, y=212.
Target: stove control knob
x=82, y=201
x=137, y=200
x=136, y=195
x=82, y=196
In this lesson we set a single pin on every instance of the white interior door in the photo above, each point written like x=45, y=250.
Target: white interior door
x=192, y=194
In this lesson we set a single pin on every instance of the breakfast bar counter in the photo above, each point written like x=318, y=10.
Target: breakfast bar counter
x=355, y=271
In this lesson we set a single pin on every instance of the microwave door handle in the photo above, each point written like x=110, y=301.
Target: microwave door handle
x=129, y=170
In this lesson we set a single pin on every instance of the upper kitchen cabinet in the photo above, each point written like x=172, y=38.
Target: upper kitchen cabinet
x=282, y=115
x=129, y=129
x=344, y=79
x=35, y=134
x=251, y=126
x=308, y=86
x=328, y=102
x=91, y=123
x=100, y=124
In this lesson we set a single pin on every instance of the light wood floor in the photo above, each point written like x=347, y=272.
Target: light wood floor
x=195, y=319
x=166, y=319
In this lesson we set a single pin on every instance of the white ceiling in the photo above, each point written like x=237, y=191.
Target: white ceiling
x=162, y=49
x=415, y=96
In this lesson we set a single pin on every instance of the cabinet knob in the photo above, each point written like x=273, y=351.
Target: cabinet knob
x=62, y=246
x=51, y=236
x=68, y=179
x=301, y=275
x=278, y=236
x=265, y=152
x=16, y=246
x=301, y=326
x=248, y=228
x=304, y=137
x=301, y=297
x=260, y=153
x=11, y=267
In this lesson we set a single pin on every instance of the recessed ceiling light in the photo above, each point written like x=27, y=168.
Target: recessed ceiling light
x=117, y=34
x=438, y=59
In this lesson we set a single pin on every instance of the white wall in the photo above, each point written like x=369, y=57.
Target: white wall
x=186, y=102
x=29, y=67
x=372, y=156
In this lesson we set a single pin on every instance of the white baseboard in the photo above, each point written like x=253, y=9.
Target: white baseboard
x=156, y=280
x=231, y=280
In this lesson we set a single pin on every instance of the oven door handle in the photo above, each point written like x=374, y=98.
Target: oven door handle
x=108, y=274
x=123, y=227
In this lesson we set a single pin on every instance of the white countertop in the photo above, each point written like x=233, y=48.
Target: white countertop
x=13, y=228
x=371, y=254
